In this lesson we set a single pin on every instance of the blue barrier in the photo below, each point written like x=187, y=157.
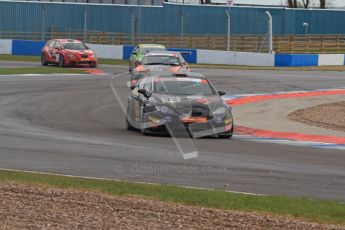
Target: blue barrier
x=127, y=50
x=296, y=60
x=190, y=58
x=21, y=47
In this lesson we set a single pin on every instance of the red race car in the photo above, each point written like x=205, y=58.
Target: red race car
x=67, y=52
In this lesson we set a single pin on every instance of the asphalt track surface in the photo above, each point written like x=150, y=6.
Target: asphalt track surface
x=74, y=125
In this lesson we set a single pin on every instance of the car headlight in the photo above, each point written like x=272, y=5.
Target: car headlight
x=164, y=109
x=72, y=56
x=94, y=55
x=220, y=111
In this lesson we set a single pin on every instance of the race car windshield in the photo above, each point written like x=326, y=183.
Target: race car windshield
x=161, y=60
x=183, y=86
x=74, y=46
x=150, y=49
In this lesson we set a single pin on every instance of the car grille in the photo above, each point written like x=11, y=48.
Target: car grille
x=84, y=56
x=196, y=111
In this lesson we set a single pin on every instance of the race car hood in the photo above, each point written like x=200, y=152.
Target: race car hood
x=182, y=104
x=88, y=52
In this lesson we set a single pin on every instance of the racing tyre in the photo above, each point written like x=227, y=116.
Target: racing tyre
x=129, y=68
x=61, y=61
x=44, y=60
x=129, y=127
x=227, y=135
x=142, y=129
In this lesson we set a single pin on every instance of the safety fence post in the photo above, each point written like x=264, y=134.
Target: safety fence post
x=270, y=33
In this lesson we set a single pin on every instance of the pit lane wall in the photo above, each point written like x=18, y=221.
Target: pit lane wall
x=23, y=47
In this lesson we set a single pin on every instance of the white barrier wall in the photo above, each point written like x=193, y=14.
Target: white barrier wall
x=107, y=51
x=5, y=46
x=215, y=57
x=254, y=59
x=331, y=59
x=234, y=58
x=206, y=56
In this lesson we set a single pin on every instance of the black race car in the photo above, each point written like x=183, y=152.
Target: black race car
x=164, y=102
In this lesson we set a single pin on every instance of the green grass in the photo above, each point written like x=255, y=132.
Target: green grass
x=104, y=61
x=322, y=211
x=40, y=70
x=7, y=57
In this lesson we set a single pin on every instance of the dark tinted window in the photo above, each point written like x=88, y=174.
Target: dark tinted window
x=150, y=49
x=148, y=85
x=142, y=83
x=161, y=60
x=74, y=46
x=135, y=50
x=57, y=45
x=51, y=44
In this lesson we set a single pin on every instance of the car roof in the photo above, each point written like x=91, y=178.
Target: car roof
x=163, y=53
x=65, y=40
x=151, y=46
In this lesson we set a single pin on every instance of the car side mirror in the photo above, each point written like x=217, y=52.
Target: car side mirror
x=221, y=93
x=144, y=92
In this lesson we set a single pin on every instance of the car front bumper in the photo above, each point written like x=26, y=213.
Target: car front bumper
x=173, y=123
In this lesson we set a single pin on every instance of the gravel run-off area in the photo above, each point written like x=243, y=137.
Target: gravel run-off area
x=329, y=116
x=39, y=207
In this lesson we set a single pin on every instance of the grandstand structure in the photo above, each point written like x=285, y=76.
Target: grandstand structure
x=120, y=2
x=175, y=25
x=137, y=2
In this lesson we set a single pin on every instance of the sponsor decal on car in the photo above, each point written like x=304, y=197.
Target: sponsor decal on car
x=171, y=100
x=228, y=127
x=186, y=79
x=194, y=119
x=203, y=100
x=228, y=121
x=153, y=119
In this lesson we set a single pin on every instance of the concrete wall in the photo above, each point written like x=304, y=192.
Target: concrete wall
x=331, y=59
x=215, y=57
x=288, y=60
x=20, y=47
x=107, y=51
x=5, y=46
x=254, y=59
x=234, y=58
